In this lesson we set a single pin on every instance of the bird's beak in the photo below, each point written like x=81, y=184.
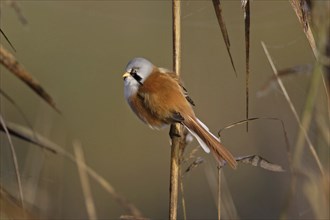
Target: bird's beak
x=126, y=74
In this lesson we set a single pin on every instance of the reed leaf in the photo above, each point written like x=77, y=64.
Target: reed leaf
x=290, y=71
x=15, y=161
x=7, y=39
x=246, y=9
x=303, y=126
x=9, y=61
x=15, y=6
x=31, y=136
x=222, y=24
x=258, y=161
x=198, y=161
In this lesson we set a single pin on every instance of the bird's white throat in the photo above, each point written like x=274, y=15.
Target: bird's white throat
x=131, y=87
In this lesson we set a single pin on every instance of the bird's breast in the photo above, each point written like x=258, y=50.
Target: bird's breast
x=144, y=114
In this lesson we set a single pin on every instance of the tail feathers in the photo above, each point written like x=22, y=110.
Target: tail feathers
x=208, y=141
x=200, y=141
x=207, y=129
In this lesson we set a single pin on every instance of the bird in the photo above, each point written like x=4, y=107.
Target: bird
x=157, y=96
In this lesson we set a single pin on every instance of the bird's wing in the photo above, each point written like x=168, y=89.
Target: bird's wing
x=184, y=90
x=164, y=98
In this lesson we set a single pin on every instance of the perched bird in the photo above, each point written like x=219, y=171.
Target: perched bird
x=158, y=98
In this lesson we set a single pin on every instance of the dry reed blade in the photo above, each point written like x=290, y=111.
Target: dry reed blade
x=111, y=190
x=272, y=81
x=240, y=122
x=303, y=130
x=258, y=161
x=285, y=134
x=303, y=17
x=307, y=115
x=246, y=8
x=121, y=200
x=222, y=24
x=198, y=161
x=7, y=39
x=9, y=61
x=321, y=29
x=12, y=208
x=18, y=11
x=302, y=10
x=89, y=201
x=191, y=155
x=31, y=136
x=323, y=128
x=13, y=153
x=4, y=94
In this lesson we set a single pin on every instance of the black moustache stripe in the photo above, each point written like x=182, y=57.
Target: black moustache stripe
x=136, y=76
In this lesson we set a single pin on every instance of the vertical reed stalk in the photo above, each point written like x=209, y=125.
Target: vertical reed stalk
x=183, y=201
x=219, y=190
x=176, y=14
x=176, y=129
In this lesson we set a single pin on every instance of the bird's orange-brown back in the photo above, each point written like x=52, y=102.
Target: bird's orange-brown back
x=163, y=94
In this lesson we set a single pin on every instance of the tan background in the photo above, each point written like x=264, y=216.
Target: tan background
x=78, y=51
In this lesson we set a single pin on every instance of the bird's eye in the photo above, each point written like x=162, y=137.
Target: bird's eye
x=136, y=76
x=133, y=72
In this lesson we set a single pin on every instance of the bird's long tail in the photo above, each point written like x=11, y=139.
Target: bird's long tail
x=208, y=141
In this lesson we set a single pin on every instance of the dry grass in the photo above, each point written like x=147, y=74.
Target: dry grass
x=86, y=188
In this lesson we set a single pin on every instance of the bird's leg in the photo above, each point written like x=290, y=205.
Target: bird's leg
x=173, y=133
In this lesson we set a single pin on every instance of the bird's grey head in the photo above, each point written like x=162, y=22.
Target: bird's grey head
x=136, y=72
x=139, y=68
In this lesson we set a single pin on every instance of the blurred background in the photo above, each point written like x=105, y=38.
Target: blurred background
x=78, y=51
